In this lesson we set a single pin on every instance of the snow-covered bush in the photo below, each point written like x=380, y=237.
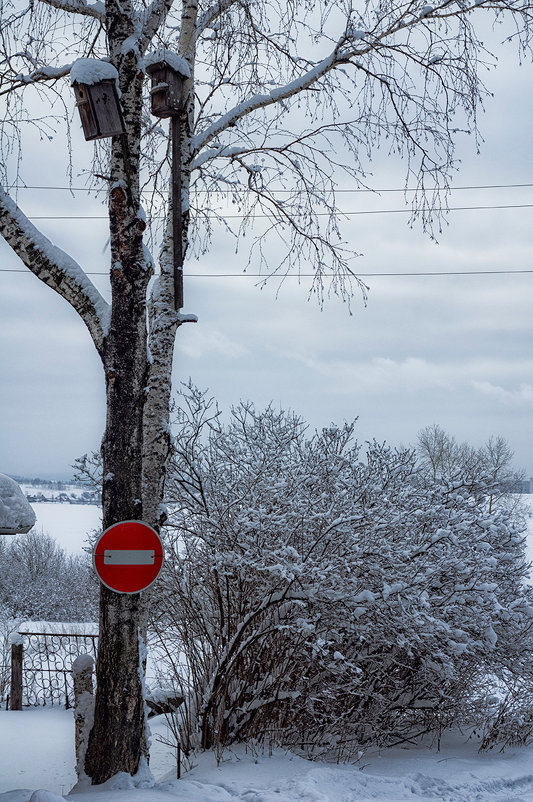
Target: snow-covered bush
x=40, y=580
x=324, y=597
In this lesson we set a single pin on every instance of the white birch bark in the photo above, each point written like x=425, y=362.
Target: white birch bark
x=163, y=319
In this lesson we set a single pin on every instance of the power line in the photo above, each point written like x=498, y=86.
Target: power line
x=435, y=210
x=312, y=275
x=283, y=191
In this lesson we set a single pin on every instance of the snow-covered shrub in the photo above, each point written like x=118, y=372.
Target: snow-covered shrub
x=40, y=580
x=324, y=597
x=509, y=721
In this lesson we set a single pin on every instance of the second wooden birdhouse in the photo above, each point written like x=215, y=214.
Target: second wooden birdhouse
x=167, y=76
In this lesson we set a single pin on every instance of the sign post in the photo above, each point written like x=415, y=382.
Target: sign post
x=128, y=557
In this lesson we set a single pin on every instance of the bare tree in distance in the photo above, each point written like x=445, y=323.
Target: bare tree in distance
x=442, y=457
x=283, y=102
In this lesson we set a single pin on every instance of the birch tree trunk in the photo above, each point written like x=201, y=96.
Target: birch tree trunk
x=118, y=739
x=136, y=443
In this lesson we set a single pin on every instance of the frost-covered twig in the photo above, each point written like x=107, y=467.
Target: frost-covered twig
x=39, y=75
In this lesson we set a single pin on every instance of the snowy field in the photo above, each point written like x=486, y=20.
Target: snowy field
x=37, y=752
x=69, y=524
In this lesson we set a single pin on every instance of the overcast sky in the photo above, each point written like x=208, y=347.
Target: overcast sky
x=452, y=350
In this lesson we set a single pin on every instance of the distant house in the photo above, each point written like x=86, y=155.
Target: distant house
x=522, y=486
x=16, y=514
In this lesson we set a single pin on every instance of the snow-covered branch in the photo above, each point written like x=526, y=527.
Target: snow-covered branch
x=55, y=268
x=37, y=76
x=261, y=101
x=156, y=16
x=209, y=16
x=96, y=9
x=352, y=44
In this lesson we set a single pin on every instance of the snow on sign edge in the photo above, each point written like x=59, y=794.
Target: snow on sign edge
x=16, y=514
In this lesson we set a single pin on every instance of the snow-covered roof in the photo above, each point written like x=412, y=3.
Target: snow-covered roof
x=16, y=515
x=92, y=70
x=177, y=63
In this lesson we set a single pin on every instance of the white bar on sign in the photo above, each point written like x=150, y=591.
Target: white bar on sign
x=129, y=557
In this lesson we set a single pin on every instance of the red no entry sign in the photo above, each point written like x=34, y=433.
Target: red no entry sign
x=128, y=556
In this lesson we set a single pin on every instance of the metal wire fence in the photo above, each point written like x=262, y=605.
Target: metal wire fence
x=47, y=662
x=47, y=653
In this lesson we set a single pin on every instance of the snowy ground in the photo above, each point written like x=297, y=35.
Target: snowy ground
x=37, y=752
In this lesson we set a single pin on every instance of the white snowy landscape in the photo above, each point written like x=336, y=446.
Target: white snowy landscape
x=71, y=524
x=37, y=760
x=337, y=196
x=37, y=752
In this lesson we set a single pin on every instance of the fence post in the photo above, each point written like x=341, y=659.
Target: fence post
x=82, y=674
x=16, y=671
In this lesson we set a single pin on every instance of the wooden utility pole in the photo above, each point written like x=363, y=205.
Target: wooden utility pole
x=177, y=233
x=167, y=101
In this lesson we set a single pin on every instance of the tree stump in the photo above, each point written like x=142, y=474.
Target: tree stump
x=82, y=675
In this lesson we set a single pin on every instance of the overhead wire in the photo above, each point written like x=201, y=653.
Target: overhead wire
x=261, y=216
x=285, y=191
x=245, y=274
x=346, y=213
x=350, y=213
x=345, y=190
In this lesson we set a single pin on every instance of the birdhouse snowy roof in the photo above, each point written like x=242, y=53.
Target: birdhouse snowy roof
x=91, y=71
x=163, y=56
x=16, y=514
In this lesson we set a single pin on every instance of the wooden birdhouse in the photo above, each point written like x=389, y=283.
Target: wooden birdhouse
x=99, y=108
x=166, y=91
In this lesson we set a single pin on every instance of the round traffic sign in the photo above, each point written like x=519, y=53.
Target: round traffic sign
x=128, y=556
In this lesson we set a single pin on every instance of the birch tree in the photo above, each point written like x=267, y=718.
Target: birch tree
x=282, y=103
